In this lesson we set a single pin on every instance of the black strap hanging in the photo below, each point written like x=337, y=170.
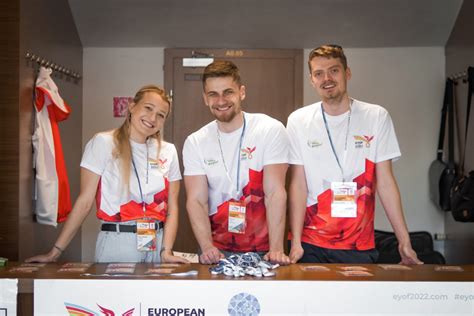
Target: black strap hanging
x=444, y=110
x=462, y=193
x=447, y=110
x=470, y=91
x=451, y=125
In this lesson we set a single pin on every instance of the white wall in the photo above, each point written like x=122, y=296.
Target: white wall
x=408, y=82
x=110, y=72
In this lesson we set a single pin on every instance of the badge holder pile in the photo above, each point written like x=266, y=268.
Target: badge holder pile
x=239, y=265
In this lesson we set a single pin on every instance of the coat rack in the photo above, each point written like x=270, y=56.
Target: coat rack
x=460, y=75
x=54, y=66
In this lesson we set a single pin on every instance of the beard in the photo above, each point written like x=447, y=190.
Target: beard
x=228, y=116
x=333, y=96
x=336, y=95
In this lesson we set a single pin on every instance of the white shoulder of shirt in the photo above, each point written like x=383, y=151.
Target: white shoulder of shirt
x=307, y=112
x=304, y=113
x=105, y=138
x=359, y=106
x=168, y=147
x=203, y=132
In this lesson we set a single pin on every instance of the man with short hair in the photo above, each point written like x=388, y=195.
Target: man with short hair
x=234, y=173
x=341, y=153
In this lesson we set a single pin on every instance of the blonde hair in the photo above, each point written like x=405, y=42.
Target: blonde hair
x=123, y=150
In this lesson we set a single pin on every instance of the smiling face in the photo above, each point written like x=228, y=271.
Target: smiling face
x=329, y=78
x=147, y=116
x=223, y=96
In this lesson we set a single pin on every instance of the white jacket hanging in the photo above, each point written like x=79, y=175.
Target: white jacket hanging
x=53, y=201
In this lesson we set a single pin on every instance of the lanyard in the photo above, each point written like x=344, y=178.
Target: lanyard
x=238, y=155
x=138, y=178
x=330, y=138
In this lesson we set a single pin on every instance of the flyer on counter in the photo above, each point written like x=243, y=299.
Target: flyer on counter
x=354, y=273
x=394, y=267
x=449, y=268
x=191, y=257
x=354, y=268
x=159, y=271
x=315, y=268
x=166, y=265
x=76, y=265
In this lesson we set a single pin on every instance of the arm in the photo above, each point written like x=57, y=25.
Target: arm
x=275, y=204
x=297, y=197
x=171, y=226
x=198, y=211
x=390, y=197
x=81, y=209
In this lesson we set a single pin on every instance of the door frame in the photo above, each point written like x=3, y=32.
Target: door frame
x=222, y=53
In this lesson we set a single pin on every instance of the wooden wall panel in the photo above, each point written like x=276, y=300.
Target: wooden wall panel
x=47, y=29
x=44, y=28
x=9, y=170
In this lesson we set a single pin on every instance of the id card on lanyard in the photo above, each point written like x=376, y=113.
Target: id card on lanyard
x=236, y=209
x=344, y=199
x=236, y=218
x=146, y=228
x=146, y=235
x=344, y=194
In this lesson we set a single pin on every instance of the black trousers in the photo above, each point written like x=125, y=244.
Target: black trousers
x=315, y=254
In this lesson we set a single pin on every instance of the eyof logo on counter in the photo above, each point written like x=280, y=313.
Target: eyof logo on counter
x=78, y=310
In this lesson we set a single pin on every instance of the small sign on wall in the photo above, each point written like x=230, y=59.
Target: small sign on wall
x=121, y=106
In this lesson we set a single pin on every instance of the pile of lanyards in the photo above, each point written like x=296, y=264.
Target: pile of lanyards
x=239, y=265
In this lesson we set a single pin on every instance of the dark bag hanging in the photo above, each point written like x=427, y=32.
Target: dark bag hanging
x=462, y=193
x=422, y=243
x=442, y=175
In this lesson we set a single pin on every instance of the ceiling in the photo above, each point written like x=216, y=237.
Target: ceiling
x=264, y=23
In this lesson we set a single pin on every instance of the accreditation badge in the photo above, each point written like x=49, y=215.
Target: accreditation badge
x=344, y=199
x=236, y=221
x=146, y=235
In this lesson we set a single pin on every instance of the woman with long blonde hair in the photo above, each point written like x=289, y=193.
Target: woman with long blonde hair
x=134, y=177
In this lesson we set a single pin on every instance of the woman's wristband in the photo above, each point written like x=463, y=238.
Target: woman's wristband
x=58, y=248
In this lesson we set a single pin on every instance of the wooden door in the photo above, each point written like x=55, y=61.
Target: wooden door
x=274, y=86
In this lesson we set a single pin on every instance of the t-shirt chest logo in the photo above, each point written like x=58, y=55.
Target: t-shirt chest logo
x=247, y=153
x=157, y=164
x=162, y=163
x=360, y=141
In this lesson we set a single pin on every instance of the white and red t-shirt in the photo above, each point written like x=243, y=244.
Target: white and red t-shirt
x=53, y=200
x=370, y=139
x=264, y=142
x=115, y=203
